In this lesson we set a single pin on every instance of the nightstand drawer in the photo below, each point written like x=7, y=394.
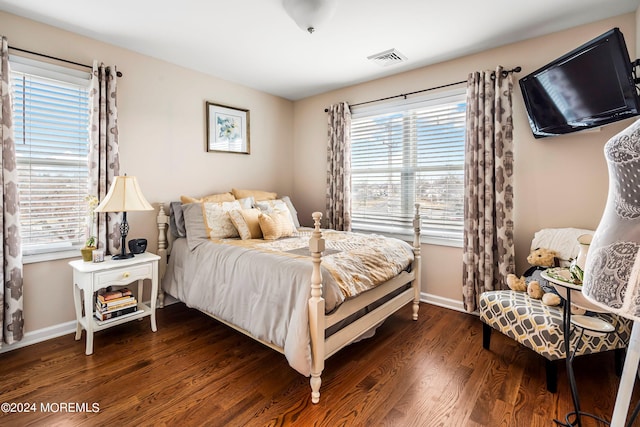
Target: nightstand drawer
x=123, y=275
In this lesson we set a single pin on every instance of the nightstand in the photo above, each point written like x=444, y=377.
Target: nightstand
x=89, y=277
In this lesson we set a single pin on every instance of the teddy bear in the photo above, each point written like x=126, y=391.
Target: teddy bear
x=533, y=289
x=540, y=259
x=516, y=283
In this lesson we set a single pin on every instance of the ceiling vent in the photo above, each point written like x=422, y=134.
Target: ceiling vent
x=388, y=57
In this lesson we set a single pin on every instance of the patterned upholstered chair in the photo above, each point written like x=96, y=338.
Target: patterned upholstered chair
x=540, y=327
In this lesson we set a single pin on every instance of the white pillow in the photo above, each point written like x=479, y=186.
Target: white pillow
x=292, y=210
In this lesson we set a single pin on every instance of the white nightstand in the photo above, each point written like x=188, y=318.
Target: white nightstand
x=89, y=277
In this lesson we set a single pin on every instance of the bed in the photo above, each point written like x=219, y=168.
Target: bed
x=306, y=294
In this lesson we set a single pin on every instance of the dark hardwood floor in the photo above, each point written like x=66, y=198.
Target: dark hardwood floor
x=196, y=371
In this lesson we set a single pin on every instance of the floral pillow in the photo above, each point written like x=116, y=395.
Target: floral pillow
x=217, y=220
x=205, y=221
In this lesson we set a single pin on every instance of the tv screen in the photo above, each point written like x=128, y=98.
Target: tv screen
x=590, y=86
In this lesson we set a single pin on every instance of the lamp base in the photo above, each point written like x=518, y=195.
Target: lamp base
x=122, y=256
x=124, y=230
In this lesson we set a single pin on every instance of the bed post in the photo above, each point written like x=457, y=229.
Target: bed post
x=417, y=261
x=316, y=309
x=163, y=223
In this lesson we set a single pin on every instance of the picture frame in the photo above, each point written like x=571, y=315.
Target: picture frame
x=227, y=129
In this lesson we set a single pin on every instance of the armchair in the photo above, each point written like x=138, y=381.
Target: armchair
x=540, y=327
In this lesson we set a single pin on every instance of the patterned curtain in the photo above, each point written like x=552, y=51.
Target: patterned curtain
x=488, y=251
x=104, y=162
x=339, y=168
x=10, y=249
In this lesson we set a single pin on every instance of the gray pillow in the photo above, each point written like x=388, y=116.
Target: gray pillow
x=176, y=220
x=194, y=225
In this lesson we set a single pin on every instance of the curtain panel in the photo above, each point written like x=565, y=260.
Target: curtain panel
x=10, y=249
x=488, y=250
x=338, y=203
x=104, y=161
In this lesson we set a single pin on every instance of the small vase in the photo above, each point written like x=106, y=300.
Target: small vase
x=584, y=240
x=577, y=265
x=87, y=253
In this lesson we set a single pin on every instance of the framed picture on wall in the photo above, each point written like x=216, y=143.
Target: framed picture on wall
x=227, y=129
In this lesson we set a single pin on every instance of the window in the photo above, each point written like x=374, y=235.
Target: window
x=405, y=153
x=51, y=131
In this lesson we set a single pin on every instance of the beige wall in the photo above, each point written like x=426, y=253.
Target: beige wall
x=162, y=142
x=559, y=182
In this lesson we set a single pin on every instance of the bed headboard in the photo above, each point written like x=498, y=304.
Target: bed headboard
x=165, y=239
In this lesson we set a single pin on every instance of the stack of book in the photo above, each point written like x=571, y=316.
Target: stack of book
x=113, y=304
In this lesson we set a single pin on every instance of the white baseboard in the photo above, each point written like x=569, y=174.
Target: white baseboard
x=66, y=328
x=55, y=331
x=40, y=335
x=442, y=302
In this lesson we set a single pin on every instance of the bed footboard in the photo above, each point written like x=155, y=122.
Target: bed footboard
x=316, y=309
x=321, y=347
x=417, y=261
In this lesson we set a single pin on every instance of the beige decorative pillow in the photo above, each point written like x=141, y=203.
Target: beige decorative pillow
x=212, y=198
x=217, y=220
x=257, y=194
x=246, y=221
x=269, y=206
x=275, y=225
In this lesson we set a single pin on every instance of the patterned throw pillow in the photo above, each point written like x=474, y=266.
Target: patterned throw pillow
x=276, y=224
x=246, y=221
x=217, y=220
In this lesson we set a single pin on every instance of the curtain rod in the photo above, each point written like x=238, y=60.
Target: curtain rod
x=504, y=74
x=118, y=73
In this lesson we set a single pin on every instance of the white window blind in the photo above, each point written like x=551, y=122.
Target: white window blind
x=406, y=153
x=51, y=131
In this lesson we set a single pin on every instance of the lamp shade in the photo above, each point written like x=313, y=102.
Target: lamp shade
x=309, y=14
x=124, y=196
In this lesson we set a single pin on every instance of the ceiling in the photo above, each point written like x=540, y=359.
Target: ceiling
x=256, y=44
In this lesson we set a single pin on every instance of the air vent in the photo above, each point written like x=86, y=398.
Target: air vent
x=388, y=57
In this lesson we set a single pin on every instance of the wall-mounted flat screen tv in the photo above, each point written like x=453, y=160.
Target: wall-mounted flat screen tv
x=590, y=86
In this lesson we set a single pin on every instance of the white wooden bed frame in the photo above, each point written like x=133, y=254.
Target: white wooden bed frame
x=322, y=348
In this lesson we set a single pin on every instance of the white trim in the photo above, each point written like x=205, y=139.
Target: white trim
x=425, y=240
x=41, y=335
x=442, y=302
x=55, y=331
x=61, y=329
x=50, y=256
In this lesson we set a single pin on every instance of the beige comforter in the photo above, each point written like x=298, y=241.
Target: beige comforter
x=263, y=286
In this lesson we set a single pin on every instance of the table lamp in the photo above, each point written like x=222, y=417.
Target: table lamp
x=124, y=196
x=612, y=270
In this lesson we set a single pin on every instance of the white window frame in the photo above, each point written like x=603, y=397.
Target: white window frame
x=396, y=106
x=64, y=75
